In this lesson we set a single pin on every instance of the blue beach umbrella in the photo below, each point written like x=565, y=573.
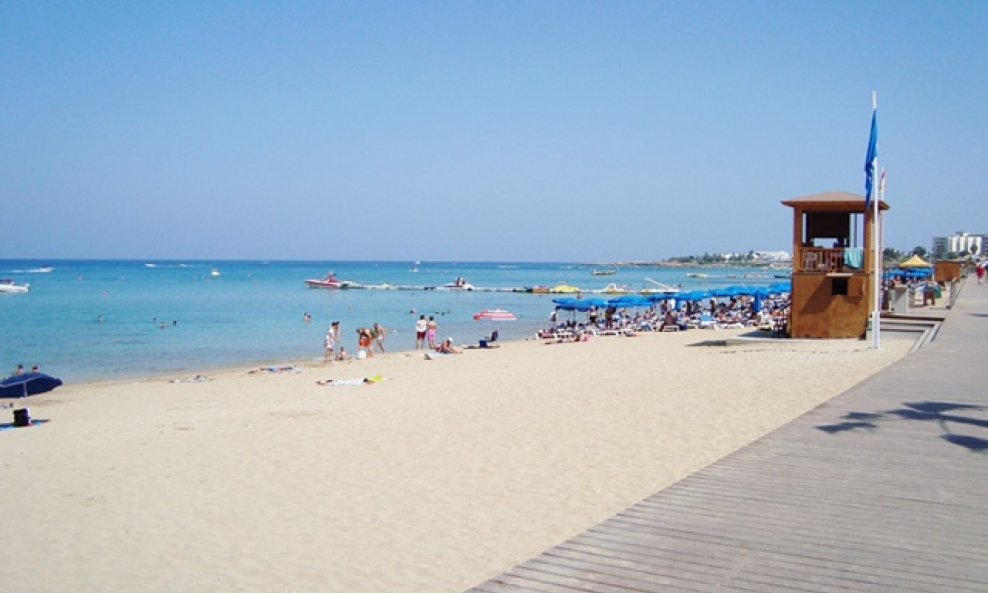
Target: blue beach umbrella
x=629, y=301
x=27, y=384
x=756, y=305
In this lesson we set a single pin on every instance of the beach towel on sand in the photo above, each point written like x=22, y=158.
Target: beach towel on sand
x=351, y=382
x=276, y=370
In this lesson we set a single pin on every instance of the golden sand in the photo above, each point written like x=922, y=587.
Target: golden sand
x=446, y=473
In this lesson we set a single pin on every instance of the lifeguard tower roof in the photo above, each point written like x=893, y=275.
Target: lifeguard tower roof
x=841, y=201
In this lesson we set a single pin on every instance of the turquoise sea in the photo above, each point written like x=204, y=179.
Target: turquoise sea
x=112, y=319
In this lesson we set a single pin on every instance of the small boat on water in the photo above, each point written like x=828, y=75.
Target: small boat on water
x=603, y=271
x=697, y=275
x=45, y=269
x=459, y=284
x=331, y=281
x=214, y=272
x=564, y=289
x=8, y=286
x=612, y=288
x=657, y=287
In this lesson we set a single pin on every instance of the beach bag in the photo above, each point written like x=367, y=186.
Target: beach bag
x=22, y=417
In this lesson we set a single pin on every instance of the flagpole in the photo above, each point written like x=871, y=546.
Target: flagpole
x=876, y=301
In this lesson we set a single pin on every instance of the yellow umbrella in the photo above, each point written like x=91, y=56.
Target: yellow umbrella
x=915, y=262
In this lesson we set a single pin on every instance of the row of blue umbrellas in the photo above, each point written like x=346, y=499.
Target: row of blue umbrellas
x=634, y=300
x=917, y=273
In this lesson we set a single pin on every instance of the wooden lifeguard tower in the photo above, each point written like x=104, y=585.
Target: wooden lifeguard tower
x=832, y=266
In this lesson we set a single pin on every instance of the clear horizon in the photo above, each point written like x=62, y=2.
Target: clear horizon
x=447, y=131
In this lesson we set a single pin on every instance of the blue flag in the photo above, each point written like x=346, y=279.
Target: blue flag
x=871, y=158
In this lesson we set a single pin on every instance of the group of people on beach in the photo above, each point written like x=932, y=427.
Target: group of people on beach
x=738, y=312
x=425, y=332
x=19, y=370
x=367, y=339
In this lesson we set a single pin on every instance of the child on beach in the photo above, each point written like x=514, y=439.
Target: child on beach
x=364, y=341
x=432, y=329
x=329, y=345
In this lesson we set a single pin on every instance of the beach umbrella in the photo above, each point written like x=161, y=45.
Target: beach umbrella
x=494, y=315
x=631, y=300
x=915, y=262
x=756, y=304
x=27, y=384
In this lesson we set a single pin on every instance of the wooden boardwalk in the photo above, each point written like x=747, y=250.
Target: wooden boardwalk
x=882, y=489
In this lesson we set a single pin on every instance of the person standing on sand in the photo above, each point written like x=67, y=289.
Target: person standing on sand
x=420, y=330
x=329, y=345
x=378, y=333
x=364, y=342
x=432, y=328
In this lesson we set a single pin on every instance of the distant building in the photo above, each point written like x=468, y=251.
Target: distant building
x=758, y=256
x=961, y=244
x=773, y=256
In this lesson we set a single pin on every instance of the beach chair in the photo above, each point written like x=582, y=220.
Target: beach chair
x=490, y=341
x=706, y=322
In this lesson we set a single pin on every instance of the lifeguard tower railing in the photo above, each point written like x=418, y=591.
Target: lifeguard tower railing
x=822, y=260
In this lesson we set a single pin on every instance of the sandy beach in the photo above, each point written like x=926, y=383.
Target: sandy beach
x=440, y=476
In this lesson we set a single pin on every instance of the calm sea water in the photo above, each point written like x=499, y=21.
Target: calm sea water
x=95, y=320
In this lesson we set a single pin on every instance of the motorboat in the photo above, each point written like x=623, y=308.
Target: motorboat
x=603, y=271
x=8, y=286
x=459, y=284
x=215, y=272
x=331, y=281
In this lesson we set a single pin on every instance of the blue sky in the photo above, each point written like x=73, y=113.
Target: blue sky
x=531, y=131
